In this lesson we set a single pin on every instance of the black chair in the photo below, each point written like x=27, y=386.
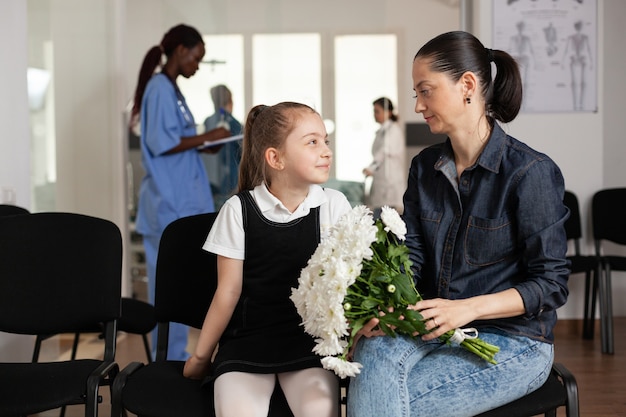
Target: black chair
x=59, y=273
x=560, y=390
x=608, y=214
x=137, y=317
x=186, y=280
x=11, y=210
x=582, y=264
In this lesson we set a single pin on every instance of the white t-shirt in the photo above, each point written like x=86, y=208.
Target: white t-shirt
x=227, y=237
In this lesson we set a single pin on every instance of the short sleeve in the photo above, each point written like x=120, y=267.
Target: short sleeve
x=227, y=237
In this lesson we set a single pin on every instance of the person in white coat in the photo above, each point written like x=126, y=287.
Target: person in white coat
x=387, y=169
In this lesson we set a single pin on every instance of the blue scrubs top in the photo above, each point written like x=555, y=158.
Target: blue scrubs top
x=175, y=185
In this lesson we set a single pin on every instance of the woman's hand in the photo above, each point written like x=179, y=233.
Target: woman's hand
x=441, y=315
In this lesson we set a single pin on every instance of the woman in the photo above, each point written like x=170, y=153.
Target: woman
x=176, y=184
x=223, y=168
x=485, y=218
x=388, y=166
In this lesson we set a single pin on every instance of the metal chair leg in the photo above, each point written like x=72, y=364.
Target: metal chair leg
x=606, y=308
x=588, y=313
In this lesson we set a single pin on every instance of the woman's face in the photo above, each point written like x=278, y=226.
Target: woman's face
x=440, y=100
x=380, y=115
x=189, y=59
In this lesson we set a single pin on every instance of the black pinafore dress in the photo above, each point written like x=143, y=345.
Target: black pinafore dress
x=265, y=334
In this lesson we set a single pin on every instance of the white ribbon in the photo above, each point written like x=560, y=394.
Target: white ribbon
x=461, y=334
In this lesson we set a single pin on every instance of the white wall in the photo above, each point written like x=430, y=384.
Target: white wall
x=15, y=138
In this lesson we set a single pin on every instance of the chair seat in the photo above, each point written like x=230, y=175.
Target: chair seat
x=582, y=264
x=160, y=389
x=617, y=263
x=36, y=387
x=550, y=395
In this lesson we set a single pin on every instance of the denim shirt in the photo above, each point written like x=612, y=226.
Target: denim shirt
x=500, y=226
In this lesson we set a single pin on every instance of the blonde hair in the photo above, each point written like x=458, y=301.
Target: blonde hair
x=266, y=127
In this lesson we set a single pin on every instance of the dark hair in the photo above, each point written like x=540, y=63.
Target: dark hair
x=266, y=127
x=184, y=35
x=386, y=105
x=455, y=53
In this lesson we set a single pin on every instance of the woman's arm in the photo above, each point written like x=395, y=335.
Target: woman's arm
x=540, y=217
x=452, y=314
x=191, y=142
x=229, y=284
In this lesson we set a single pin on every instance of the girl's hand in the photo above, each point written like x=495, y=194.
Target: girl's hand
x=195, y=369
x=369, y=329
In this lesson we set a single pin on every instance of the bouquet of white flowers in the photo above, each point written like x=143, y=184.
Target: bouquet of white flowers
x=361, y=271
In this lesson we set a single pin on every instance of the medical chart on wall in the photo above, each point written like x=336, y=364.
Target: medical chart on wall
x=555, y=44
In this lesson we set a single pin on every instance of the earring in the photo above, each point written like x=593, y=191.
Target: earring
x=468, y=100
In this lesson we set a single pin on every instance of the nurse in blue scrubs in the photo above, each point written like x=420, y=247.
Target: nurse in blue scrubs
x=176, y=184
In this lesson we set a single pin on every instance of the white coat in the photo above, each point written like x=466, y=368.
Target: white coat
x=389, y=177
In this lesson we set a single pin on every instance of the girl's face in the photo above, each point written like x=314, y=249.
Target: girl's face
x=440, y=100
x=306, y=155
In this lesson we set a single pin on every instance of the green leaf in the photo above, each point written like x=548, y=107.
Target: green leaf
x=369, y=303
x=404, y=285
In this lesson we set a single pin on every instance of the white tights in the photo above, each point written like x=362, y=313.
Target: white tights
x=310, y=392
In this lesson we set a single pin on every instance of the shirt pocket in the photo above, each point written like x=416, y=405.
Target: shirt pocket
x=489, y=241
x=430, y=220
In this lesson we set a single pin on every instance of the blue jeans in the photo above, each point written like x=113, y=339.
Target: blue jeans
x=403, y=377
x=178, y=335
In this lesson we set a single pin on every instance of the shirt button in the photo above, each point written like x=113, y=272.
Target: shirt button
x=464, y=182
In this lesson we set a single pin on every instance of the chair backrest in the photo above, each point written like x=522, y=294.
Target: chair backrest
x=608, y=213
x=186, y=274
x=573, y=228
x=11, y=210
x=59, y=273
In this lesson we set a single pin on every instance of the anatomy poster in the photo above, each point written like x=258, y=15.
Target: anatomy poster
x=555, y=44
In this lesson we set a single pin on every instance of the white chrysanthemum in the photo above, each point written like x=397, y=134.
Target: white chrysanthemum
x=393, y=222
x=323, y=285
x=341, y=367
x=329, y=346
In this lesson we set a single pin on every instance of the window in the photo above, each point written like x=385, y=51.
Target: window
x=223, y=63
x=287, y=67
x=365, y=69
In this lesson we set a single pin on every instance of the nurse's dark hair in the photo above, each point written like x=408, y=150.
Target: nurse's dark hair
x=455, y=53
x=184, y=35
x=266, y=127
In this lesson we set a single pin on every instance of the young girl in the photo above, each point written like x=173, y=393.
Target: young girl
x=263, y=237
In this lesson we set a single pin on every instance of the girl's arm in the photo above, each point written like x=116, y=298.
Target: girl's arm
x=229, y=284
